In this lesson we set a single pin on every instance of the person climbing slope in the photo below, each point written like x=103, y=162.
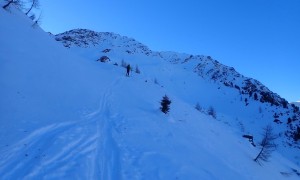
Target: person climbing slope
x=128, y=68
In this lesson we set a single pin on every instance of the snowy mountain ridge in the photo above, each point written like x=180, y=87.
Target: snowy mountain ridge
x=88, y=38
x=204, y=66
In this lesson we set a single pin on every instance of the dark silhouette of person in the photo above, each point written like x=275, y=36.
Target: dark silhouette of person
x=128, y=68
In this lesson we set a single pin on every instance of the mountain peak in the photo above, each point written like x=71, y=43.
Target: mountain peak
x=87, y=38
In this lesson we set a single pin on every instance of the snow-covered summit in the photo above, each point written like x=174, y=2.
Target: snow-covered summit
x=88, y=38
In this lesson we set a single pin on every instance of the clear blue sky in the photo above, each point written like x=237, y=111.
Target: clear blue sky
x=259, y=38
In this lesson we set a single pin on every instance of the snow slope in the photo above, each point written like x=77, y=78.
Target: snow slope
x=241, y=102
x=65, y=116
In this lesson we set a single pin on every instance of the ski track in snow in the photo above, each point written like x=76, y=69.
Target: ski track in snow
x=107, y=146
x=82, y=149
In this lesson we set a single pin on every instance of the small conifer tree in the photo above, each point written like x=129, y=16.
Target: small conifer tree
x=198, y=107
x=165, y=104
x=211, y=111
x=296, y=134
x=255, y=97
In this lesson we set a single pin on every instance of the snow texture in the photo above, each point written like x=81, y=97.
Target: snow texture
x=65, y=115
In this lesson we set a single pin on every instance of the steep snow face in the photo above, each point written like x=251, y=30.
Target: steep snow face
x=215, y=84
x=65, y=116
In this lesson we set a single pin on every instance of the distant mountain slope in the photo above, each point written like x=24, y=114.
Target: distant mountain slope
x=94, y=45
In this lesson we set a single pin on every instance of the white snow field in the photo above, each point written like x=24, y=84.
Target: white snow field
x=67, y=116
